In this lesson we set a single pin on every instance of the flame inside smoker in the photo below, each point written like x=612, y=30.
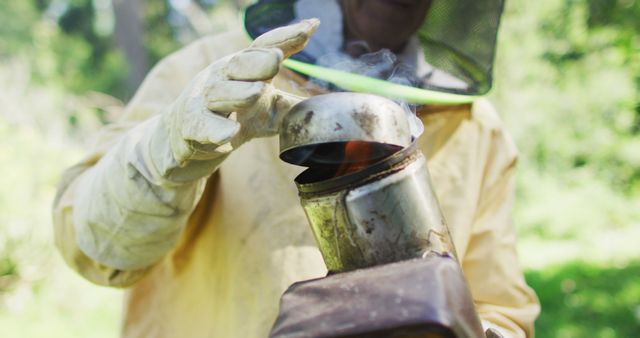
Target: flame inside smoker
x=361, y=154
x=357, y=155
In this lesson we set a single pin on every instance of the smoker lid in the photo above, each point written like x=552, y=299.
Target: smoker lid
x=341, y=128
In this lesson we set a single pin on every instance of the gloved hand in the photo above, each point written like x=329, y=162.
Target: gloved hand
x=130, y=207
x=198, y=122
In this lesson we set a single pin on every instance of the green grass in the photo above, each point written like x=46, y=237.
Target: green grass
x=585, y=300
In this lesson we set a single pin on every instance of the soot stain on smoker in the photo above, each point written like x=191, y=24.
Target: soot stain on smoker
x=366, y=119
x=382, y=216
x=369, y=225
x=308, y=116
x=298, y=131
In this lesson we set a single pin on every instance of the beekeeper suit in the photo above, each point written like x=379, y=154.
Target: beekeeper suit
x=185, y=203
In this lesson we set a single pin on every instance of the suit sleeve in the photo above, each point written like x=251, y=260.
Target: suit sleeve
x=502, y=297
x=119, y=211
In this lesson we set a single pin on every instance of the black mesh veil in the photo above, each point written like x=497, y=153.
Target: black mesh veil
x=458, y=38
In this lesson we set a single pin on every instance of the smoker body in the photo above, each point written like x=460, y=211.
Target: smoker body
x=382, y=214
x=369, y=201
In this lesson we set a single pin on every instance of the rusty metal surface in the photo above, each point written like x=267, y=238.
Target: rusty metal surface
x=384, y=217
x=338, y=118
x=425, y=297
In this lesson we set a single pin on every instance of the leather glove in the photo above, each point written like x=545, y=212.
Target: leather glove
x=199, y=124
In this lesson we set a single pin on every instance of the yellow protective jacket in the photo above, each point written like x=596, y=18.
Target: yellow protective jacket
x=248, y=239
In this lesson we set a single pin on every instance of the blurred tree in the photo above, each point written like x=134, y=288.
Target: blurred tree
x=70, y=44
x=624, y=16
x=129, y=38
x=587, y=37
x=15, y=30
x=568, y=90
x=79, y=49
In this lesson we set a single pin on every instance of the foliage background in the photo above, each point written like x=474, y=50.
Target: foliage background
x=567, y=85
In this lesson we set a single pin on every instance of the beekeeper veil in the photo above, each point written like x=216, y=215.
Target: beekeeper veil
x=452, y=52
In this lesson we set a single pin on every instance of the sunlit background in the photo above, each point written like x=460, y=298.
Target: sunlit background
x=567, y=85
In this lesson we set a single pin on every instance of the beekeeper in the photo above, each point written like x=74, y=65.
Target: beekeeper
x=185, y=202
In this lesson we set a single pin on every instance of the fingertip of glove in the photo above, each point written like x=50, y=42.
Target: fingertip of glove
x=289, y=39
x=313, y=24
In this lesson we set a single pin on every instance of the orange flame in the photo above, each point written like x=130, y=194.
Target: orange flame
x=357, y=155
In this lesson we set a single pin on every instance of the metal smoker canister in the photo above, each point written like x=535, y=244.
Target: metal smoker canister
x=386, y=212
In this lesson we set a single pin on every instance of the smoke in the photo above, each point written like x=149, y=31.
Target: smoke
x=383, y=65
x=415, y=124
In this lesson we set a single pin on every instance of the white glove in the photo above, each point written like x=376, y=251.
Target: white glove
x=130, y=208
x=198, y=123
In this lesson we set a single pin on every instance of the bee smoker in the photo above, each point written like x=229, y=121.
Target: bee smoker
x=368, y=199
